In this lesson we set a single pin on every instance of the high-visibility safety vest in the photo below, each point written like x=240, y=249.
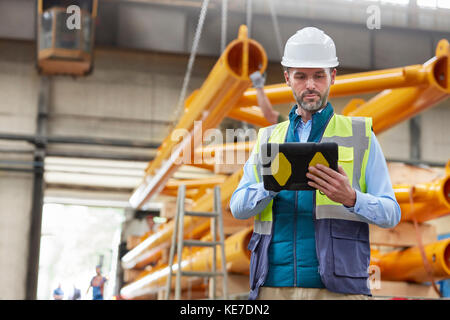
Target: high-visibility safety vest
x=342, y=238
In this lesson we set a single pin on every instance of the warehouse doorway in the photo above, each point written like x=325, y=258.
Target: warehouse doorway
x=75, y=238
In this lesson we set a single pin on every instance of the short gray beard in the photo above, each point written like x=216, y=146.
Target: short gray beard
x=312, y=106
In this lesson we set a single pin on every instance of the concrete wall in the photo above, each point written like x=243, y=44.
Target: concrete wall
x=18, y=105
x=15, y=196
x=131, y=95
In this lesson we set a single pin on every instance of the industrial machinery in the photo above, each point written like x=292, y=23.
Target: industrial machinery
x=65, y=36
x=404, y=92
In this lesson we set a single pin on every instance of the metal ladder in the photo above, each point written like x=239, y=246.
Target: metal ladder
x=216, y=217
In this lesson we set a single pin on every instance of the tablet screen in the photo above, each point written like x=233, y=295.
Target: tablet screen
x=284, y=166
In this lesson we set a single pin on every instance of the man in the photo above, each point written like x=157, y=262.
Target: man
x=269, y=113
x=315, y=244
x=58, y=293
x=76, y=294
x=97, y=284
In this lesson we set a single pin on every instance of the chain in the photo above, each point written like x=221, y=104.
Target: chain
x=249, y=17
x=187, y=76
x=276, y=28
x=223, y=38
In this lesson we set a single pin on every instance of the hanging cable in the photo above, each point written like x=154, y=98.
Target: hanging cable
x=187, y=76
x=223, y=36
x=249, y=17
x=276, y=28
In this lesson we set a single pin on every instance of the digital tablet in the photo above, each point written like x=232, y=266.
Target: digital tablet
x=284, y=166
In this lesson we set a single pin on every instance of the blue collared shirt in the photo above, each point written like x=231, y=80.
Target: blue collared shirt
x=378, y=206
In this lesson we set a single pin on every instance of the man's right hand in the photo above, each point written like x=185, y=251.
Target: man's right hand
x=257, y=79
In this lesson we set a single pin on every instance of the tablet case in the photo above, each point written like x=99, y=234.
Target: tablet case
x=284, y=166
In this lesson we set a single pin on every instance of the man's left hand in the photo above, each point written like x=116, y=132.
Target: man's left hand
x=335, y=185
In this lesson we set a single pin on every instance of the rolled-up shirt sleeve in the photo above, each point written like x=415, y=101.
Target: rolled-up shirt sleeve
x=250, y=197
x=378, y=205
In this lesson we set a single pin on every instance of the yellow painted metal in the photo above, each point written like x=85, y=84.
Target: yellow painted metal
x=236, y=254
x=225, y=84
x=367, y=82
x=147, y=258
x=204, y=204
x=153, y=255
x=354, y=104
x=190, y=193
x=252, y=115
x=407, y=91
x=407, y=265
x=209, y=182
x=393, y=106
x=404, y=265
x=277, y=94
x=227, y=153
x=429, y=200
x=210, y=151
x=373, y=81
x=430, y=192
x=228, y=78
x=204, y=165
x=199, y=231
x=383, y=106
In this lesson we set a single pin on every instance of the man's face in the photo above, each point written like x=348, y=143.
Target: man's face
x=310, y=86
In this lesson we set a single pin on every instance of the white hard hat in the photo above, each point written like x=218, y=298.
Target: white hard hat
x=309, y=48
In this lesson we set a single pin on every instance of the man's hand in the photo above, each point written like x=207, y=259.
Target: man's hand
x=335, y=185
x=257, y=79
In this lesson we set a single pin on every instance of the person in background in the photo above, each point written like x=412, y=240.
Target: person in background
x=97, y=284
x=76, y=294
x=58, y=293
x=269, y=113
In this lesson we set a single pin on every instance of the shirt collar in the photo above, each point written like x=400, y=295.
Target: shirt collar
x=296, y=109
x=319, y=115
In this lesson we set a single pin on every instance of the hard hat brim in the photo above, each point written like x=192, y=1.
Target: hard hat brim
x=316, y=64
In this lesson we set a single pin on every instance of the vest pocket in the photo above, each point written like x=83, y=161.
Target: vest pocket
x=351, y=248
x=346, y=161
x=345, y=153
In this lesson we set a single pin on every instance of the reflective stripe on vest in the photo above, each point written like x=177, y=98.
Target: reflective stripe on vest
x=276, y=134
x=352, y=134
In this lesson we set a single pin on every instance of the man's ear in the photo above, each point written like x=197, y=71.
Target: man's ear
x=333, y=75
x=286, y=78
